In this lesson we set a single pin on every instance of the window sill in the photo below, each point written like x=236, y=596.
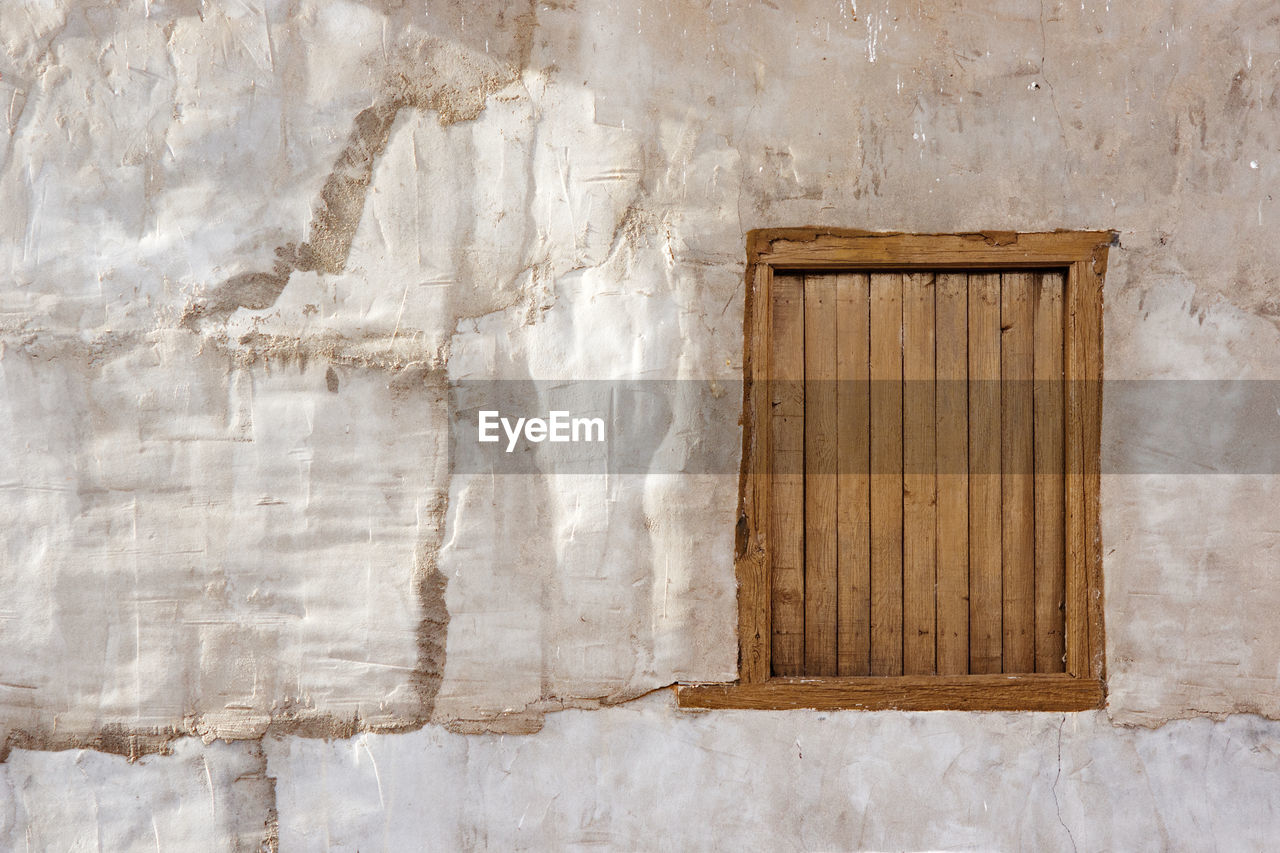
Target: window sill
x=903, y=693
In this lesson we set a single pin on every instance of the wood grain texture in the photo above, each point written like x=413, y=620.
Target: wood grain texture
x=828, y=248
x=1077, y=598
x=859, y=253
x=820, y=497
x=886, y=474
x=952, y=440
x=786, y=531
x=752, y=561
x=985, y=580
x=853, y=410
x=1050, y=544
x=1017, y=482
x=919, y=497
x=1091, y=292
x=906, y=693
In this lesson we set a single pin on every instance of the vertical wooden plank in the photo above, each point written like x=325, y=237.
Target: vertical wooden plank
x=1050, y=545
x=1091, y=274
x=787, y=491
x=753, y=554
x=985, y=586
x=919, y=496
x=853, y=628
x=1017, y=485
x=952, y=439
x=1077, y=630
x=820, y=543
x=886, y=473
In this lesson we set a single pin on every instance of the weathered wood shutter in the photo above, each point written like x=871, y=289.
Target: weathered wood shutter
x=917, y=453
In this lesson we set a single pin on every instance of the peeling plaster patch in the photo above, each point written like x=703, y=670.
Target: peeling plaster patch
x=555, y=563
x=197, y=797
x=436, y=76
x=237, y=618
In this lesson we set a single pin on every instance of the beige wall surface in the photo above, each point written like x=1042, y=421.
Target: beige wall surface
x=251, y=251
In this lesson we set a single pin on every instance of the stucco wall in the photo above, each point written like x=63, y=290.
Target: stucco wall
x=251, y=252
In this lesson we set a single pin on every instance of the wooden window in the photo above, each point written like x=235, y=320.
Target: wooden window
x=919, y=521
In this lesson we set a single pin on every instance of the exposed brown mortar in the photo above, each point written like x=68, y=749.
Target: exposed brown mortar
x=112, y=739
x=135, y=744
x=372, y=352
x=270, y=842
x=433, y=625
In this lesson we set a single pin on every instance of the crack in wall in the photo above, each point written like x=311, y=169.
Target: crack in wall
x=1057, y=806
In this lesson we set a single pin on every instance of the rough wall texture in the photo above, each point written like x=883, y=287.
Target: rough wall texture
x=249, y=249
x=647, y=778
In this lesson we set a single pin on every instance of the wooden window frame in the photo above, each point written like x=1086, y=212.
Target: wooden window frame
x=1083, y=257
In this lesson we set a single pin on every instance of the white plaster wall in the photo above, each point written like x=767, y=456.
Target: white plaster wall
x=246, y=248
x=648, y=777
x=201, y=797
